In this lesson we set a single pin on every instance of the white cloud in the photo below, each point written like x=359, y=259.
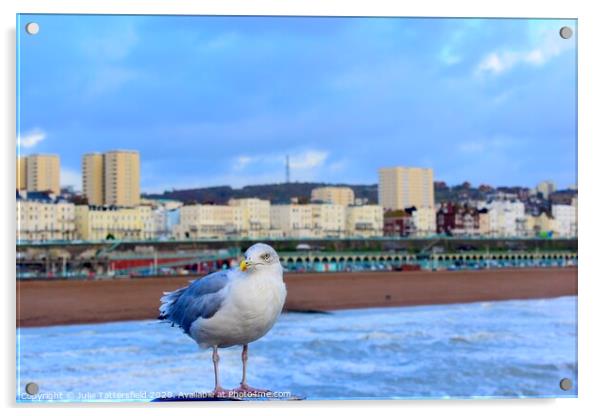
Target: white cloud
x=71, y=177
x=242, y=162
x=242, y=170
x=494, y=63
x=308, y=160
x=305, y=166
x=31, y=138
x=545, y=45
x=454, y=47
x=535, y=57
x=497, y=62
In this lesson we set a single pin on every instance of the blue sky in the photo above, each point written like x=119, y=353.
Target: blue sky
x=222, y=100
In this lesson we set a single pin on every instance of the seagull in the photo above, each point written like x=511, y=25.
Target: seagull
x=230, y=307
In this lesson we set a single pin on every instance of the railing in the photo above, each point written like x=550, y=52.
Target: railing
x=283, y=239
x=111, y=264
x=386, y=261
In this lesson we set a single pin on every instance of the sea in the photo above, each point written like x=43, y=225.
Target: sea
x=502, y=349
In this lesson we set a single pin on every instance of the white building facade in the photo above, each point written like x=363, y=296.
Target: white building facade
x=565, y=220
x=506, y=218
x=365, y=221
x=255, y=214
x=44, y=218
x=208, y=222
x=292, y=220
x=425, y=221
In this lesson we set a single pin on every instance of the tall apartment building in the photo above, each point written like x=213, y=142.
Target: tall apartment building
x=39, y=173
x=93, y=178
x=22, y=173
x=112, y=178
x=403, y=187
x=338, y=195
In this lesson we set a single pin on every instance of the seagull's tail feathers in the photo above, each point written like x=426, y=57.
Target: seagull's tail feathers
x=167, y=301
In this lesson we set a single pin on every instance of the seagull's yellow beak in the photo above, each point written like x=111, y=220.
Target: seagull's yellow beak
x=243, y=266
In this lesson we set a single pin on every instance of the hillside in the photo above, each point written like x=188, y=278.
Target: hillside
x=283, y=192
x=276, y=193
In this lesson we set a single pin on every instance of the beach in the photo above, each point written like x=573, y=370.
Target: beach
x=61, y=302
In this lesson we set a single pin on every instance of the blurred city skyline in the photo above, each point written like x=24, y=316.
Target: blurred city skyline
x=223, y=100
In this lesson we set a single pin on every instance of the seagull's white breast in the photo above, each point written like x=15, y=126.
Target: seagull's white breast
x=251, y=307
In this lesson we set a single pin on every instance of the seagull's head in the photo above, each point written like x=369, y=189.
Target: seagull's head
x=260, y=257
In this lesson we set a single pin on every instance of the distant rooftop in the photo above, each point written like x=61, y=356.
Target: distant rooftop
x=39, y=196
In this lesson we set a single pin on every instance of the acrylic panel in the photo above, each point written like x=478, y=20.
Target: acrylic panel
x=295, y=208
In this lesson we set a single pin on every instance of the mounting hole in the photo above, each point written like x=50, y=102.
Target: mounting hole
x=32, y=28
x=566, y=32
x=32, y=388
x=566, y=384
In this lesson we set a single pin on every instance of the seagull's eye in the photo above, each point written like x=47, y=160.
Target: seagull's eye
x=266, y=257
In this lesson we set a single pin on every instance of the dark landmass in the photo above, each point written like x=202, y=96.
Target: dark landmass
x=283, y=192
x=276, y=193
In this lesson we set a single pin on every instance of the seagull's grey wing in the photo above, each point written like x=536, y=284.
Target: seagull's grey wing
x=201, y=299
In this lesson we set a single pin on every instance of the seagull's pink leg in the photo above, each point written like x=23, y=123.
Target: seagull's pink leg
x=218, y=390
x=244, y=388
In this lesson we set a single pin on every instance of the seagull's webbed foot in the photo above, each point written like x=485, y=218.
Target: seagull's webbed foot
x=244, y=388
x=220, y=392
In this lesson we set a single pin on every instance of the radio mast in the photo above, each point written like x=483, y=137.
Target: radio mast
x=288, y=170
